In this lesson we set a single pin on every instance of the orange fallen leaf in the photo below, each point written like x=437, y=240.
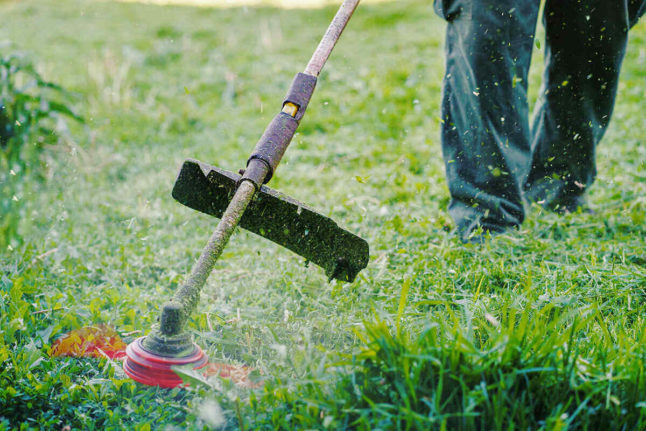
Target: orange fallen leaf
x=89, y=342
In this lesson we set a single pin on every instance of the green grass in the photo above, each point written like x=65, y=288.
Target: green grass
x=538, y=329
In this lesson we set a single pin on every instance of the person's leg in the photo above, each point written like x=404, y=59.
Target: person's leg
x=485, y=129
x=585, y=42
x=636, y=9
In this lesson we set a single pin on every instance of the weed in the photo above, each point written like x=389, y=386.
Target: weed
x=30, y=107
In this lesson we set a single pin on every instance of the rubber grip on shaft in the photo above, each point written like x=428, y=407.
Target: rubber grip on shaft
x=300, y=93
x=279, y=133
x=274, y=142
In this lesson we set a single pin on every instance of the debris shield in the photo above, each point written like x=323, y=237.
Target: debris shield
x=277, y=217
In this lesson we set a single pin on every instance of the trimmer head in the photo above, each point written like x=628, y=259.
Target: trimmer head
x=155, y=370
x=276, y=217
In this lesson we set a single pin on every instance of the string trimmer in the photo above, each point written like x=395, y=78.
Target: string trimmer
x=243, y=200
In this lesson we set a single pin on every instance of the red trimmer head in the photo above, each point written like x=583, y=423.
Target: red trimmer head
x=155, y=370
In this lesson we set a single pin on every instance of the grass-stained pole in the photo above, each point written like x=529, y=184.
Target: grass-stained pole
x=168, y=338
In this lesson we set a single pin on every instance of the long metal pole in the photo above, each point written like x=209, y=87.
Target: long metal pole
x=175, y=314
x=330, y=37
x=188, y=295
x=169, y=337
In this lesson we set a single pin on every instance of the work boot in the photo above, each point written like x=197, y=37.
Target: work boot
x=568, y=205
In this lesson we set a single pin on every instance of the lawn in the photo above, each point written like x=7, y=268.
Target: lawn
x=544, y=328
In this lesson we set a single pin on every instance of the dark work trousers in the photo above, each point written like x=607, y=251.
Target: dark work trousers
x=493, y=158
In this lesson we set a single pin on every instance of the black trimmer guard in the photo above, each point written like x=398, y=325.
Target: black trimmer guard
x=277, y=217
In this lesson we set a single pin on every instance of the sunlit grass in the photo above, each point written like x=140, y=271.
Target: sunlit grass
x=541, y=328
